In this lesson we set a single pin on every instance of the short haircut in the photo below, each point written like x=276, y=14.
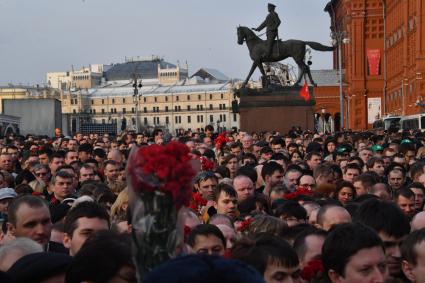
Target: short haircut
x=248, y=170
x=205, y=175
x=57, y=154
x=263, y=250
x=291, y=208
x=269, y=168
x=352, y=166
x=383, y=217
x=205, y=230
x=416, y=185
x=29, y=200
x=404, y=192
x=62, y=174
x=310, y=155
x=367, y=179
x=371, y=162
x=110, y=162
x=408, y=247
x=323, y=169
x=227, y=189
x=343, y=242
x=87, y=209
x=300, y=241
x=322, y=211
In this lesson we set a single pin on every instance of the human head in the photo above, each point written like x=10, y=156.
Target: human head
x=56, y=160
x=413, y=256
x=396, y=179
x=308, y=245
x=419, y=190
x=70, y=156
x=363, y=183
x=206, y=182
x=225, y=200
x=29, y=216
x=272, y=173
x=207, y=239
x=323, y=174
x=345, y=192
x=347, y=248
x=62, y=185
x=111, y=170
x=405, y=200
x=351, y=171
x=83, y=220
x=244, y=187
x=313, y=159
x=269, y=255
x=418, y=221
x=292, y=213
x=390, y=224
x=331, y=215
x=11, y=251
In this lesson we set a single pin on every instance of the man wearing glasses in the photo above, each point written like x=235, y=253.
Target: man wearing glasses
x=308, y=182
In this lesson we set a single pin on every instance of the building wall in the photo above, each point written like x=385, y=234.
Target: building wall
x=170, y=110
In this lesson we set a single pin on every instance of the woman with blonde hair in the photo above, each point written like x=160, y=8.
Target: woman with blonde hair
x=119, y=208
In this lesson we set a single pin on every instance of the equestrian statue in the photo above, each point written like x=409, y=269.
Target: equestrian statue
x=272, y=50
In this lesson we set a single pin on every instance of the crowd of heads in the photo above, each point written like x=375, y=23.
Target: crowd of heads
x=295, y=207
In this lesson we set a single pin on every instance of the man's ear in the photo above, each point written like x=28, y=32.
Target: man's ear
x=334, y=276
x=66, y=241
x=407, y=270
x=11, y=228
x=215, y=204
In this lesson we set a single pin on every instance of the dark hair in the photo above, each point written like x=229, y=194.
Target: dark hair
x=310, y=155
x=404, y=192
x=367, y=180
x=263, y=250
x=291, y=208
x=371, y=162
x=229, y=190
x=229, y=157
x=408, y=247
x=223, y=171
x=416, y=169
x=57, y=154
x=323, y=169
x=100, y=258
x=383, y=217
x=87, y=209
x=416, y=185
x=343, y=242
x=205, y=230
x=269, y=168
x=251, y=203
x=300, y=245
x=62, y=174
x=205, y=175
x=29, y=200
x=344, y=184
x=353, y=166
x=249, y=171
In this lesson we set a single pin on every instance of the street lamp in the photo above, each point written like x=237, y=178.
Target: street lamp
x=136, y=97
x=339, y=38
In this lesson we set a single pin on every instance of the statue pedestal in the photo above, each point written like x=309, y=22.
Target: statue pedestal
x=275, y=110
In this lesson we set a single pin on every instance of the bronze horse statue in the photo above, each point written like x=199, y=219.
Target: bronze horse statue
x=284, y=49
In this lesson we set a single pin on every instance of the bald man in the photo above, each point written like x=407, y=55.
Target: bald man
x=331, y=215
x=418, y=221
x=115, y=155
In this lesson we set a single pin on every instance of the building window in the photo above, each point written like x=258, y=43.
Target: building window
x=175, y=108
x=188, y=97
x=103, y=121
x=224, y=106
x=144, y=99
x=176, y=119
x=124, y=110
x=123, y=100
x=103, y=101
x=166, y=98
x=224, y=117
x=92, y=102
x=202, y=118
x=234, y=117
x=145, y=121
x=210, y=95
x=211, y=107
x=202, y=107
x=199, y=97
x=177, y=98
x=211, y=118
x=94, y=111
x=221, y=118
x=132, y=110
x=189, y=120
x=103, y=111
x=197, y=107
x=154, y=109
x=197, y=118
x=219, y=106
x=166, y=108
x=74, y=111
x=188, y=108
x=180, y=108
x=113, y=100
x=222, y=96
x=145, y=109
x=156, y=100
x=167, y=120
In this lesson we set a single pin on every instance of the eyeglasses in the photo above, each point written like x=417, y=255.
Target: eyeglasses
x=41, y=174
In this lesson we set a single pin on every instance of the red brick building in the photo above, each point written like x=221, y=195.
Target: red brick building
x=383, y=56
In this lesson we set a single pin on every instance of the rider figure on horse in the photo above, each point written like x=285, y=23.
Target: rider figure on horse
x=271, y=23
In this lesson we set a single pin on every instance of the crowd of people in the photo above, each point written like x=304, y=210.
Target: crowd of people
x=266, y=207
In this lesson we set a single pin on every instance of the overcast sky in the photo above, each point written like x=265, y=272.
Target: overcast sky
x=40, y=36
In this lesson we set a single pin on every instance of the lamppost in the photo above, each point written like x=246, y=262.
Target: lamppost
x=339, y=38
x=136, y=97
